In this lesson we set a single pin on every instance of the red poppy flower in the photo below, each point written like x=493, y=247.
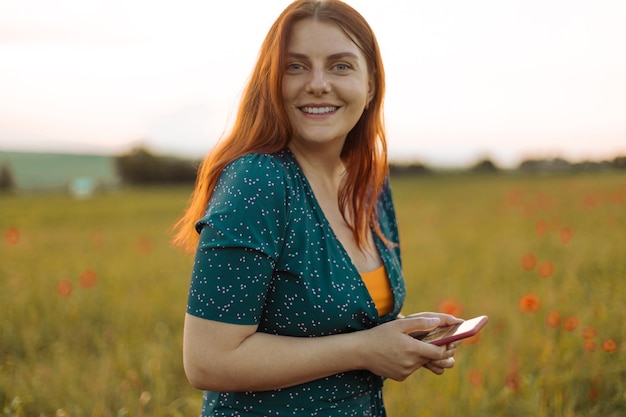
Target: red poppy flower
x=64, y=288
x=475, y=378
x=88, y=279
x=589, y=332
x=589, y=345
x=529, y=303
x=545, y=269
x=609, y=346
x=541, y=228
x=553, y=319
x=12, y=236
x=566, y=235
x=450, y=306
x=529, y=261
x=570, y=323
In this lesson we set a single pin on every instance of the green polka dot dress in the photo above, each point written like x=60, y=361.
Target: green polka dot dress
x=267, y=256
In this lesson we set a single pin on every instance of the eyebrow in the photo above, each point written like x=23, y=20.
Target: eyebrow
x=339, y=55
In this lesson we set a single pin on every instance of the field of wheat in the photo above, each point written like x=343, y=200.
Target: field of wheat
x=92, y=298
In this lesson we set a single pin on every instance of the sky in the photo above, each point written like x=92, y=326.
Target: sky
x=501, y=79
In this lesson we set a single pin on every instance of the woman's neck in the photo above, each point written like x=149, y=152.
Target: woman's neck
x=324, y=170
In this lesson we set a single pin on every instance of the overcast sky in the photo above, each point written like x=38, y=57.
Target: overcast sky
x=466, y=79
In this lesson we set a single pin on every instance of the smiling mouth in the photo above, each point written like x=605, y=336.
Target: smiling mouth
x=319, y=110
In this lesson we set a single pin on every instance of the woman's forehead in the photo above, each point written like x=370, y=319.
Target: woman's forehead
x=312, y=34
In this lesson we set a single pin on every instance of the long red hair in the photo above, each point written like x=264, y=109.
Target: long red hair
x=262, y=125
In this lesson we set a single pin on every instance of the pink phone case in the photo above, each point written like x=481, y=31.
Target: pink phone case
x=448, y=334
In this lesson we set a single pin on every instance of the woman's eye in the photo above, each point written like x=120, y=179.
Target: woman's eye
x=295, y=67
x=341, y=67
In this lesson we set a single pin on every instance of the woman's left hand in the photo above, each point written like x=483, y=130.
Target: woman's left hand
x=438, y=367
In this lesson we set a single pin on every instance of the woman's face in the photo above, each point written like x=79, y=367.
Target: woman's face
x=326, y=86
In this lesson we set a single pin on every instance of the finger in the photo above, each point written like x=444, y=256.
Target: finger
x=434, y=368
x=446, y=319
x=449, y=353
x=418, y=324
x=453, y=345
x=444, y=363
x=434, y=352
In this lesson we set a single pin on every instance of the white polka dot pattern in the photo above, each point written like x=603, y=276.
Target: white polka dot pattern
x=268, y=256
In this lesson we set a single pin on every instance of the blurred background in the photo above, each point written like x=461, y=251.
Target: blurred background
x=507, y=81
x=517, y=108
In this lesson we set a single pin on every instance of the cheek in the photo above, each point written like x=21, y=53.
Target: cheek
x=286, y=90
x=358, y=95
x=285, y=98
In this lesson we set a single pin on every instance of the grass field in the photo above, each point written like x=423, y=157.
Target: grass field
x=92, y=298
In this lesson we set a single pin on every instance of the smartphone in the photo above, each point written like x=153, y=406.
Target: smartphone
x=446, y=334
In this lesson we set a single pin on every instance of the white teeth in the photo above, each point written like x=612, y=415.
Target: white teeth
x=318, y=110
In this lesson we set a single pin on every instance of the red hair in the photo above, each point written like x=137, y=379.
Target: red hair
x=262, y=126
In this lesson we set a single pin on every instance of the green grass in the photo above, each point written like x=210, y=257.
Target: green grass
x=464, y=238
x=96, y=351
x=114, y=348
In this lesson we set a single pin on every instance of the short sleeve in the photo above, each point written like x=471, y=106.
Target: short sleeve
x=241, y=237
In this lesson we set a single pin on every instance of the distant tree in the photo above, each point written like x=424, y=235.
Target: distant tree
x=588, y=166
x=529, y=165
x=485, y=166
x=413, y=168
x=619, y=162
x=6, y=178
x=545, y=165
x=141, y=167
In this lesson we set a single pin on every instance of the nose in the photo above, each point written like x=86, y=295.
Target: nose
x=317, y=83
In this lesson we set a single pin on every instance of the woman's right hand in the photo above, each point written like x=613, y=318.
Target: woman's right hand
x=389, y=351
x=231, y=357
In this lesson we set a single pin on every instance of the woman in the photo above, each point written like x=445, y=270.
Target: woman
x=297, y=282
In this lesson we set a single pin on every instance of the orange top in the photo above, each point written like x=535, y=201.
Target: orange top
x=377, y=283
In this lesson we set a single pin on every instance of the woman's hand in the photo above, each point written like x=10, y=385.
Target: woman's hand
x=392, y=353
x=230, y=357
x=438, y=367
